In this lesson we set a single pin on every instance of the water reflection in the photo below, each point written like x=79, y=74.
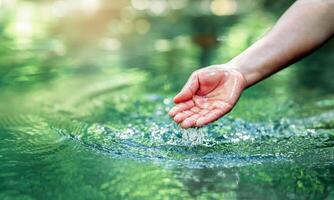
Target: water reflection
x=85, y=89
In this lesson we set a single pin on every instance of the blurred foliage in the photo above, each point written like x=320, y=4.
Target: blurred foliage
x=75, y=57
x=43, y=40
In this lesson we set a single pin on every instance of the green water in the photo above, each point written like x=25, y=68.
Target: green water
x=118, y=142
x=78, y=121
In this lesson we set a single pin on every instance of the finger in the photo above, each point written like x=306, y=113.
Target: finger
x=212, y=116
x=182, y=116
x=212, y=79
x=189, y=89
x=221, y=105
x=181, y=107
x=190, y=121
x=204, y=112
x=195, y=109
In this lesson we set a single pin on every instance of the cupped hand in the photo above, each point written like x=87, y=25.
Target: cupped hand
x=209, y=94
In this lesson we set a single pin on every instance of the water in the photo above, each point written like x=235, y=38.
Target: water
x=82, y=120
x=117, y=145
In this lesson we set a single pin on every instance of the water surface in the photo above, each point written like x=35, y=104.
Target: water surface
x=91, y=122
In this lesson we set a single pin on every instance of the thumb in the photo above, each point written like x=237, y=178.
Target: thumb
x=188, y=90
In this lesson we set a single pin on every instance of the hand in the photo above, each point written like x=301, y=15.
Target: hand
x=209, y=94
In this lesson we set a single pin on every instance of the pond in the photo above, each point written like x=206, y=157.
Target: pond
x=84, y=103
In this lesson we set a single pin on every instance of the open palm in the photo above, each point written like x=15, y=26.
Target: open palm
x=209, y=94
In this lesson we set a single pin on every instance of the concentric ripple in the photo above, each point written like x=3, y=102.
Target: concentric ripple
x=152, y=136
x=229, y=142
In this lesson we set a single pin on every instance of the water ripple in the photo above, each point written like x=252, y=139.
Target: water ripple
x=229, y=142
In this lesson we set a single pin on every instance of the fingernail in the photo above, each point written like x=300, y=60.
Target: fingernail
x=184, y=126
x=187, y=123
x=200, y=122
x=171, y=112
x=178, y=118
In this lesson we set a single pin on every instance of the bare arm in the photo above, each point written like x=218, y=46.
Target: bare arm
x=212, y=92
x=306, y=25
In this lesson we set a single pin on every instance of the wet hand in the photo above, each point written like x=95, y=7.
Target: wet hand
x=209, y=94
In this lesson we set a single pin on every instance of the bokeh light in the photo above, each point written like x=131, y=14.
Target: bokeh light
x=110, y=44
x=158, y=7
x=162, y=45
x=223, y=7
x=142, y=26
x=140, y=4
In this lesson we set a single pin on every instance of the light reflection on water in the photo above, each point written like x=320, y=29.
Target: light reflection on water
x=229, y=142
x=99, y=133
x=154, y=150
x=84, y=110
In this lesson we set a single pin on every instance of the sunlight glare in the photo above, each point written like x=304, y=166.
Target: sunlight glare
x=139, y=4
x=223, y=7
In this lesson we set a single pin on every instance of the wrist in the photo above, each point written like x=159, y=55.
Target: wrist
x=247, y=68
x=236, y=66
x=232, y=69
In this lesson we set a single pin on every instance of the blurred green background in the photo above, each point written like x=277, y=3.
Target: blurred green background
x=43, y=40
x=85, y=86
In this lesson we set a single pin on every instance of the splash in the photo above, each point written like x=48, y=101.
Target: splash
x=150, y=135
x=229, y=142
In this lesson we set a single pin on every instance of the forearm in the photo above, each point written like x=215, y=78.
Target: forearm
x=305, y=26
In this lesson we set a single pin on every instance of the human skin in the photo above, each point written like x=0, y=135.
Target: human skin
x=212, y=92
